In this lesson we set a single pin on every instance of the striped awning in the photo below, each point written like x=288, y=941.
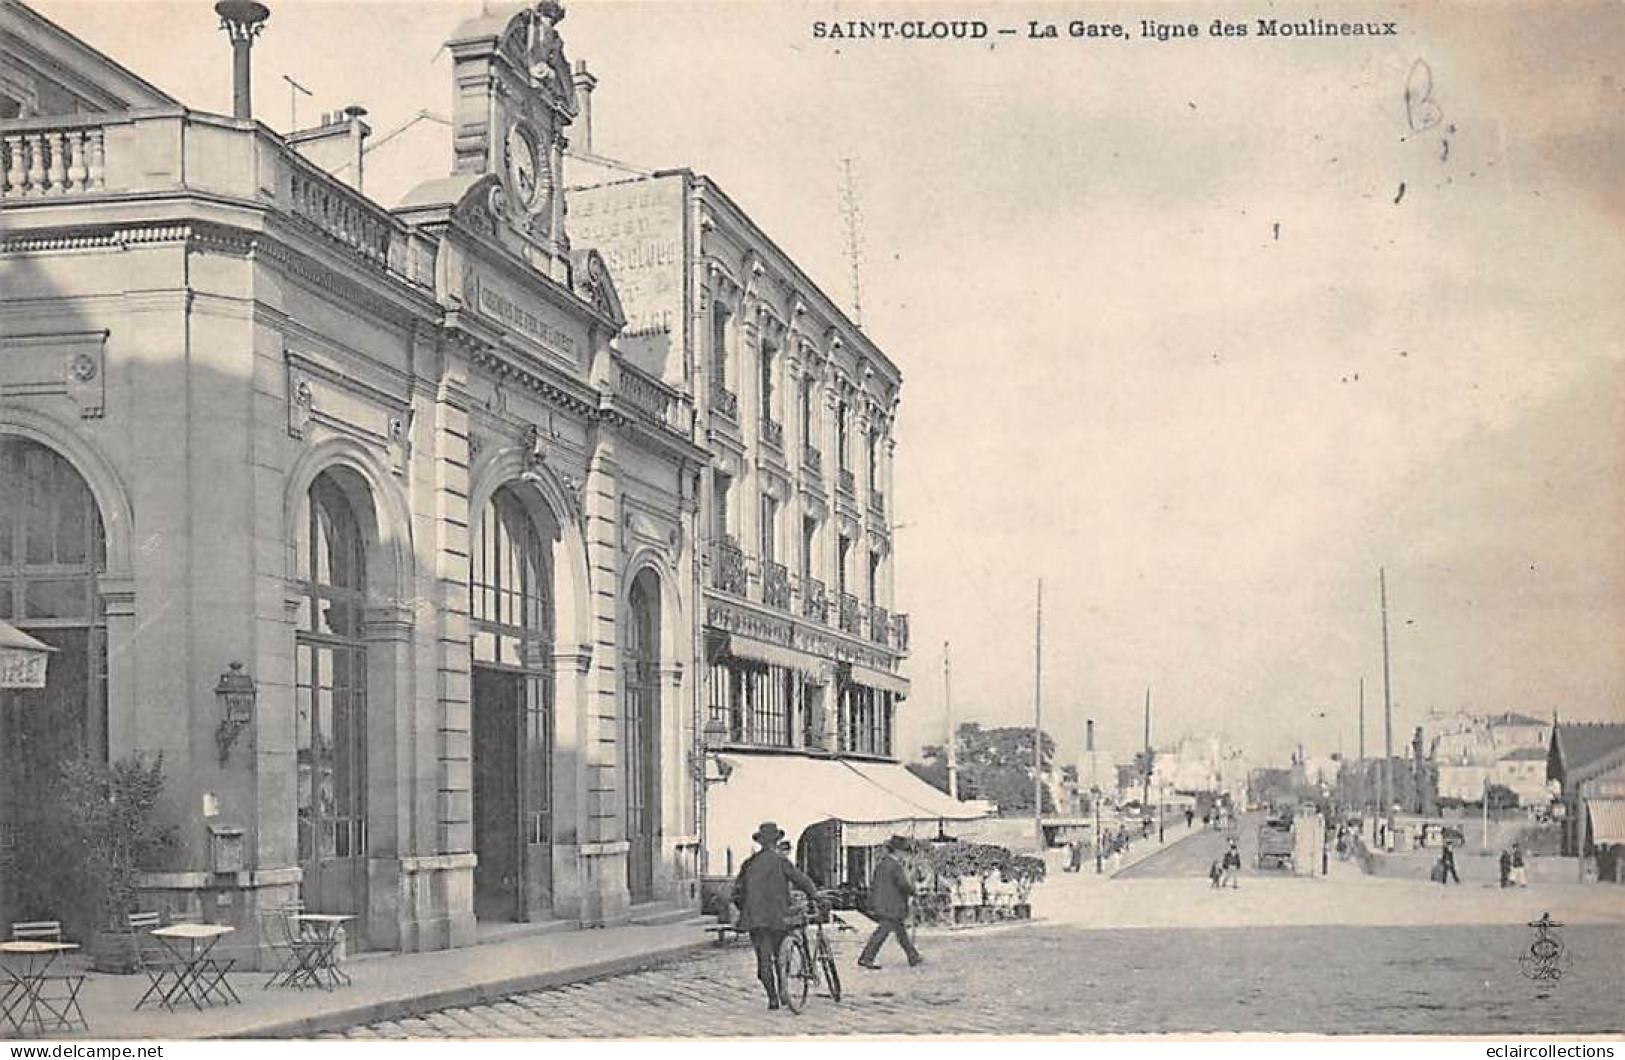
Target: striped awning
x=1607, y=820
x=22, y=658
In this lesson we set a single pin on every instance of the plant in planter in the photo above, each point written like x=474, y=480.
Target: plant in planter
x=1023, y=872
x=114, y=834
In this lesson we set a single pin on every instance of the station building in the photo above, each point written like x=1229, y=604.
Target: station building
x=383, y=467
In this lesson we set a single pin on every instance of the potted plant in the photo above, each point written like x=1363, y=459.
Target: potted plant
x=1023, y=872
x=115, y=835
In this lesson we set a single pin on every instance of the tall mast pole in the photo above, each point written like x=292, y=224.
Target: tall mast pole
x=953, y=738
x=1145, y=790
x=1038, y=717
x=1387, y=703
x=1361, y=792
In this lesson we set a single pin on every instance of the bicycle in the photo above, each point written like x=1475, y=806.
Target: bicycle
x=802, y=960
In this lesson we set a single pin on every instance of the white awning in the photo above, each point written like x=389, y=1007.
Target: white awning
x=928, y=802
x=872, y=800
x=22, y=658
x=880, y=679
x=1607, y=820
x=761, y=651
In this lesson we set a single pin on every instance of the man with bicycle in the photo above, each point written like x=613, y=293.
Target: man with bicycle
x=762, y=894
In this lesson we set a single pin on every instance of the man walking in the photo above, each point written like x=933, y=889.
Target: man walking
x=889, y=892
x=762, y=893
x=1447, y=865
x=1232, y=865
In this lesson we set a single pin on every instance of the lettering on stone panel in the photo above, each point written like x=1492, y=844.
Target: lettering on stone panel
x=496, y=304
x=67, y=364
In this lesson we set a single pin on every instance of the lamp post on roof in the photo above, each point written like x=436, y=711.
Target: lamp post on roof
x=242, y=20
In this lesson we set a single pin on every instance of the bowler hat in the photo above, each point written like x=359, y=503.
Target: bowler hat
x=768, y=834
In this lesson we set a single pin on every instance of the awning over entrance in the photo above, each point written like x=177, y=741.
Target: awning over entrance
x=22, y=658
x=772, y=654
x=1607, y=820
x=872, y=800
x=879, y=679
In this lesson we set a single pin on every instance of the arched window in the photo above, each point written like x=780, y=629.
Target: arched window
x=52, y=548
x=51, y=551
x=511, y=613
x=330, y=696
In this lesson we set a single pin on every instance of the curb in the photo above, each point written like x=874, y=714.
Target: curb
x=462, y=996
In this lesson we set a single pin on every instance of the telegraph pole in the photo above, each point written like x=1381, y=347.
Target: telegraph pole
x=1387, y=704
x=1145, y=791
x=953, y=738
x=1038, y=718
x=1361, y=792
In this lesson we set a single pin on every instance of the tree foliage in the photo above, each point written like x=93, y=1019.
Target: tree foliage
x=994, y=764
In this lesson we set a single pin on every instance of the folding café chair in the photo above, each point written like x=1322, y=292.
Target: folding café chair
x=58, y=993
x=294, y=950
x=156, y=962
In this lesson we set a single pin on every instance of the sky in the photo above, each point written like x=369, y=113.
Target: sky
x=1203, y=333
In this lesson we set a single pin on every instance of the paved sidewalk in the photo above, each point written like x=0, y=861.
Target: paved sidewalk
x=390, y=986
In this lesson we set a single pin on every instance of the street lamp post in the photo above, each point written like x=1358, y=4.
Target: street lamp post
x=699, y=765
x=1094, y=793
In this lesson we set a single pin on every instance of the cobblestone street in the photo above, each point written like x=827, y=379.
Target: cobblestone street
x=1050, y=978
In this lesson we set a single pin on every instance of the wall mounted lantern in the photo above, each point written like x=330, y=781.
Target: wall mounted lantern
x=236, y=693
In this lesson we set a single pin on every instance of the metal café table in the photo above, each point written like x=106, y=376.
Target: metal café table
x=21, y=991
x=320, y=960
x=199, y=978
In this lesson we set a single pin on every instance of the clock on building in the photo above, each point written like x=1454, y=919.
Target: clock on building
x=523, y=166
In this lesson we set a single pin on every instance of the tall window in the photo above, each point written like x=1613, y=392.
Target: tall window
x=874, y=578
x=770, y=529
x=807, y=409
x=330, y=693
x=769, y=353
x=841, y=426
x=842, y=560
x=720, y=330
x=721, y=524
x=511, y=621
x=873, y=441
x=51, y=550
x=809, y=545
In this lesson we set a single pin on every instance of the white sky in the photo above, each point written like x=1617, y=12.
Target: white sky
x=1118, y=374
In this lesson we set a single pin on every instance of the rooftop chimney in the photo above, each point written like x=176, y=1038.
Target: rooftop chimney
x=242, y=20
x=337, y=144
x=584, y=84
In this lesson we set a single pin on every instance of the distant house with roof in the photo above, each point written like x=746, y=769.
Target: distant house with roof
x=1587, y=759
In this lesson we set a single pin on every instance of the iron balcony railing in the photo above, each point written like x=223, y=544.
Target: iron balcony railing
x=776, y=585
x=851, y=615
x=880, y=625
x=728, y=567
x=814, y=600
x=725, y=401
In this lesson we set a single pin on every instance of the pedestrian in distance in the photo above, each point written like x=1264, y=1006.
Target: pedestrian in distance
x=1232, y=865
x=889, y=891
x=1215, y=873
x=1519, y=877
x=762, y=893
x=1190, y=817
x=1506, y=867
x=1447, y=865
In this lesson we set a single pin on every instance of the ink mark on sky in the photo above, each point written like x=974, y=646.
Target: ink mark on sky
x=1421, y=112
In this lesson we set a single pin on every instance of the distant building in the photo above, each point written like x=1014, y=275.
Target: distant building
x=1472, y=751
x=1584, y=760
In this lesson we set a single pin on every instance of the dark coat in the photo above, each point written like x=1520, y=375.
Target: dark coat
x=889, y=889
x=762, y=890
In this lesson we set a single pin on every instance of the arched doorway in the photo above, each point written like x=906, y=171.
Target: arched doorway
x=511, y=605
x=642, y=734
x=52, y=548
x=330, y=692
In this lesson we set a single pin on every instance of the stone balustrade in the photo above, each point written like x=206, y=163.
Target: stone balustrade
x=170, y=153
x=57, y=160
